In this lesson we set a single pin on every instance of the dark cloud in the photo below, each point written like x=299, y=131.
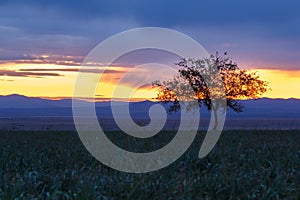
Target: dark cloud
x=146, y=86
x=45, y=69
x=85, y=70
x=26, y=74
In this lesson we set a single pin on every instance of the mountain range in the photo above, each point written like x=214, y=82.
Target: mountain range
x=22, y=106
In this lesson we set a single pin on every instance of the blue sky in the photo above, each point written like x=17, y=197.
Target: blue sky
x=258, y=34
x=42, y=42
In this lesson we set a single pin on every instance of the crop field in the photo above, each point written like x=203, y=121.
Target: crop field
x=244, y=164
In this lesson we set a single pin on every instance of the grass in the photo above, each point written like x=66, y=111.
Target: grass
x=243, y=165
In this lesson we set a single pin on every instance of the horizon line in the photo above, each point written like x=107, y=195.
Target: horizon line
x=107, y=99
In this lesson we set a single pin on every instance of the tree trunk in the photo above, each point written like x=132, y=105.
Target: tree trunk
x=216, y=118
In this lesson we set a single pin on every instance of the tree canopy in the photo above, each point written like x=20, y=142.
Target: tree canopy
x=200, y=75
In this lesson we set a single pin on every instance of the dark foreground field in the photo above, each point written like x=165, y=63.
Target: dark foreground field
x=243, y=165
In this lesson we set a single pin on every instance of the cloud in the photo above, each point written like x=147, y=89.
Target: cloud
x=162, y=13
x=147, y=86
x=85, y=70
x=8, y=28
x=75, y=27
x=26, y=74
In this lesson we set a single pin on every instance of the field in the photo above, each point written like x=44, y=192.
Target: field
x=244, y=165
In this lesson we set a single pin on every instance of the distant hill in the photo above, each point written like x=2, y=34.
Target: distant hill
x=16, y=101
x=22, y=106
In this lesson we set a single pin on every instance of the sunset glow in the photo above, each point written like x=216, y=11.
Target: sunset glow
x=53, y=81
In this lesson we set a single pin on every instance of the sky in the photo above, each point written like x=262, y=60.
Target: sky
x=43, y=43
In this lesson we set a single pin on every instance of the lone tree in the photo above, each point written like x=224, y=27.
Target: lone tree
x=200, y=75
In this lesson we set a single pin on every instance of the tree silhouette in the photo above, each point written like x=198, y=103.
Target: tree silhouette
x=210, y=78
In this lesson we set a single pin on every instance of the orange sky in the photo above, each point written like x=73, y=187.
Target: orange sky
x=28, y=79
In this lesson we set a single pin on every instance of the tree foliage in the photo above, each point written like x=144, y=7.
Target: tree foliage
x=202, y=76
